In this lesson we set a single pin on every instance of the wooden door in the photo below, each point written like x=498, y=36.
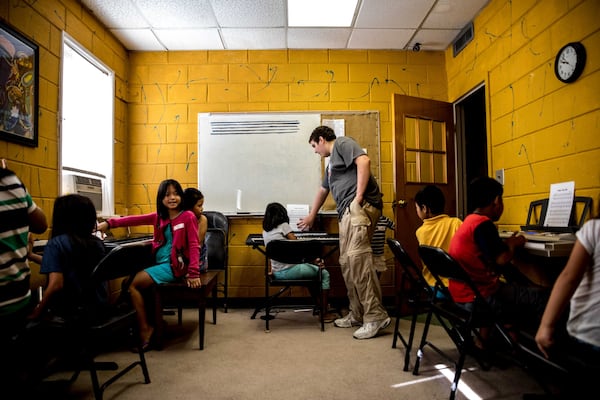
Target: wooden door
x=424, y=153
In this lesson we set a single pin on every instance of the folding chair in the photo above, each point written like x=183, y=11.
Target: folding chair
x=292, y=252
x=418, y=296
x=92, y=334
x=466, y=323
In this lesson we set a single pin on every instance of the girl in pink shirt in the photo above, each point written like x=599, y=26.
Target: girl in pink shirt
x=175, y=247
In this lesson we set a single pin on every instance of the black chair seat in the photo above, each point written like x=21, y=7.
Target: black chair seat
x=291, y=252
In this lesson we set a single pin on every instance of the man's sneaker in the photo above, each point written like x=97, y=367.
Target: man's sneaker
x=347, y=322
x=370, y=329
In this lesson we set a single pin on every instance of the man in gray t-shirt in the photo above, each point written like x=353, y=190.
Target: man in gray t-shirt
x=358, y=200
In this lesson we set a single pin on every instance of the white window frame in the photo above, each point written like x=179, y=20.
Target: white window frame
x=92, y=119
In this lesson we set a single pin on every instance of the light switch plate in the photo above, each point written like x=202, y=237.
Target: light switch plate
x=500, y=175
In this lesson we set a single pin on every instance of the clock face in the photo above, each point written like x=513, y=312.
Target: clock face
x=569, y=62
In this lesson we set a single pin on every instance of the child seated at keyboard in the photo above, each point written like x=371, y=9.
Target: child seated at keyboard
x=478, y=248
x=174, y=246
x=276, y=226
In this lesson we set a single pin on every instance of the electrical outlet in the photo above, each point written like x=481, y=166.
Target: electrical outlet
x=500, y=175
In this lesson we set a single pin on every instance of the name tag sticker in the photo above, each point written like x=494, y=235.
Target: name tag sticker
x=178, y=226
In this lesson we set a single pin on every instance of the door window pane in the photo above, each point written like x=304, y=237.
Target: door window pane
x=411, y=166
x=426, y=164
x=439, y=168
x=439, y=136
x=410, y=129
x=425, y=151
x=424, y=134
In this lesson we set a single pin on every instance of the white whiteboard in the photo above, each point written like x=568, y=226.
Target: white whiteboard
x=268, y=165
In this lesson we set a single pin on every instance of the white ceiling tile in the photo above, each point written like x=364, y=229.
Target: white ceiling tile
x=122, y=14
x=392, y=13
x=259, y=24
x=138, y=39
x=190, y=39
x=244, y=13
x=318, y=38
x=453, y=14
x=261, y=38
x=178, y=14
x=380, y=38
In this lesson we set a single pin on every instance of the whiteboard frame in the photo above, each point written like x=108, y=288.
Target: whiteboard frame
x=264, y=167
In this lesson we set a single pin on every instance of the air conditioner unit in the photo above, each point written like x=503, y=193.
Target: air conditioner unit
x=85, y=186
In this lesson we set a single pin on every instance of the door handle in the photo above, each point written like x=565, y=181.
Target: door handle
x=399, y=203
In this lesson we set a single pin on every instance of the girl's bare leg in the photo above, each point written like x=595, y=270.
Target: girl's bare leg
x=141, y=281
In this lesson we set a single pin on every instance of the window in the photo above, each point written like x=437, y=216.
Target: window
x=425, y=151
x=86, y=126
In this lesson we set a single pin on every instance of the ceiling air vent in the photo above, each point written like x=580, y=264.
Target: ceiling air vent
x=463, y=38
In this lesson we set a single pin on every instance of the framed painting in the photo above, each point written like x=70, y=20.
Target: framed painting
x=19, y=75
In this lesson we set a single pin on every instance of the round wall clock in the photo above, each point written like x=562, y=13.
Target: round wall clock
x=569, y=62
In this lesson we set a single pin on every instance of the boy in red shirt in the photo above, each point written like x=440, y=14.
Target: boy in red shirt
x=486, y=257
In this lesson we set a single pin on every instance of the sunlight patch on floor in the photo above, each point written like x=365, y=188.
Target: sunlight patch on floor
x=429, y=378
x=462, y=386
x=445, y=372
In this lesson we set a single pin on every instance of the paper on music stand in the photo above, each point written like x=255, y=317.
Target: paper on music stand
x=560, y=204
x=295, y=212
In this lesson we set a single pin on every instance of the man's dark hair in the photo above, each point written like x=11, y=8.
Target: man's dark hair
x=482, y=191
x=322, y=131
x=432, y=197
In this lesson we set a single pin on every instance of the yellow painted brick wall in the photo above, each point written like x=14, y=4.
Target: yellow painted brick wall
x=43, y=22
x=540, y=130
x=168, y=90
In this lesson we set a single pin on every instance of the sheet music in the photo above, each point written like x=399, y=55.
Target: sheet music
x=560, y=204
x=295, y=212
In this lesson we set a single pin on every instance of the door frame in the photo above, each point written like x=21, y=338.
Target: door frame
x=461, y=114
